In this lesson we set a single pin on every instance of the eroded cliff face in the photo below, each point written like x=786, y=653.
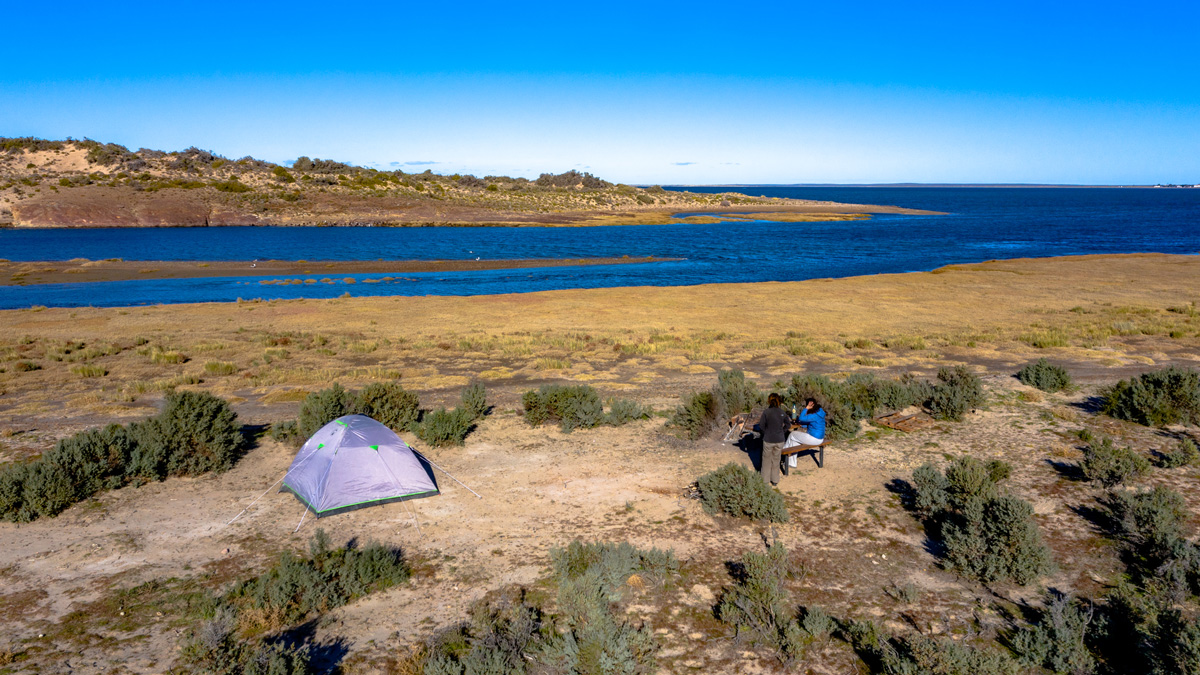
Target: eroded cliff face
x=108, y=207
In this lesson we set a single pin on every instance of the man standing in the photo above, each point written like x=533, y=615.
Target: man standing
x=774, y=425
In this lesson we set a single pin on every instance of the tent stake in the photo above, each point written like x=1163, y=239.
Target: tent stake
x=447, y=473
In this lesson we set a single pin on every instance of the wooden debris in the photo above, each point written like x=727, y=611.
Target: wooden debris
x=904, y=423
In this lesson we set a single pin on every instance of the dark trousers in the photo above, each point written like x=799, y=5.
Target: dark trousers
x=770, y=462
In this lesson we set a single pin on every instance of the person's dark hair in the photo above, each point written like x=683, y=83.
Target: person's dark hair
x=773, y=401
x=816, y=405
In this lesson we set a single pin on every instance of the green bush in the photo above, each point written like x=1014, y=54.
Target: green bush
x=389, y=404
x=195, y=433
x=622, y=411
x=957, y=391
x=737, y=491
x=844, y=406
x=923, y=655
x=1157, y=398
x=297, y=587
x=1058, y=640
x=322, y=407
x=285, y=432
x=759, y=606
x=1175, y=644
x=1109, y=465
x=988, y=536
x=1184, y=455
x=696, y=415
x=573, y=407
x=1044, y=376
x=474, y=401
x=214, y=649
x=734, y=394
x=444, y=427
x=1150, y=527
x=902, y=393
x=613, y=564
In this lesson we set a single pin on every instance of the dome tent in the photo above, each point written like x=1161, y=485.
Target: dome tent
x=355, y=462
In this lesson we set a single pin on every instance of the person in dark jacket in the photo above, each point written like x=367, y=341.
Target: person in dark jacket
x=774, y=424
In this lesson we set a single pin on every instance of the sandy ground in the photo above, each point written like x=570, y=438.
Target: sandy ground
x=65, y=581
x=83, y=270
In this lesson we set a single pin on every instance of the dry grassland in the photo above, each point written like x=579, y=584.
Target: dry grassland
x=1104, y=317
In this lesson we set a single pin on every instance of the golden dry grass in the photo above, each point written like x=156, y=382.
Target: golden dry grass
x=1085, y=308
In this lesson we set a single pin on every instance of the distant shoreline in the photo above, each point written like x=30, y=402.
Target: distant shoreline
x=920, y=185
x=80, y=270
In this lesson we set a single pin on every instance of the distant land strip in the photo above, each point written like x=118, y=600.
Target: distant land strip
x=84, y=270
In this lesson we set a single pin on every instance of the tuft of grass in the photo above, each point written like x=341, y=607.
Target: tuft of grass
x=89, y=370
x=220, y=368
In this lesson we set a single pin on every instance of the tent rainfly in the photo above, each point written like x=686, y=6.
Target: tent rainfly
x=355, y=462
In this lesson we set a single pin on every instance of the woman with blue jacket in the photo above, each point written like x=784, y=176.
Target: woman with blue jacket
x=813, y=417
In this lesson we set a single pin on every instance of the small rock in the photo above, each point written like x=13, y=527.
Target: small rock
x=225, y=552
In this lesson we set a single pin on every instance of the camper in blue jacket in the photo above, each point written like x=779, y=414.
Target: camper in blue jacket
x=814, y=417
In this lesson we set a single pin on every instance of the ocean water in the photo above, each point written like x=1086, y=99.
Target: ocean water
x=982, y=224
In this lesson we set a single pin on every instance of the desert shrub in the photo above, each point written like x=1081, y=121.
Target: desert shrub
x=570, y=179
x=195, y=433
x=921, y=655
x=1157, y=398
x=1109, y=465
x=957, y=391
x=389, y=404
x=987, y=535
x=622, y=411
x=231, y=185
x=1044, y=376
x=285, y=432
x=298, y=586
x=573, y=407
x=1175, y=645
x=734, y=394
x=1058, y=640
x=283, y=175
x=614, y=565
x=696, y=415
x=474, y=401
x=903, y=392
x=758, y=605
x=215, y=649
x=737, y=491
x=1150, y=527
x=444, y=427
x=25, y=367
x=322, y=407
x=1183, y=455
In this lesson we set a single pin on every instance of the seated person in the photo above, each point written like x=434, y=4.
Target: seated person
x=813, y=416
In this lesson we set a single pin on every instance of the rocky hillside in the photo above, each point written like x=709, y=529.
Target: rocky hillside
x=85, y=183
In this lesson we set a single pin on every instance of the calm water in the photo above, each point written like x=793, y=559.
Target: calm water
x=984, y=224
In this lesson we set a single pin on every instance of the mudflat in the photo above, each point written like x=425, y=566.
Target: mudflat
x=107, y=581
x=82, y=270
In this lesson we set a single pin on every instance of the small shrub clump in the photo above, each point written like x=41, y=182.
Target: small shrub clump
x=699, y=412
x=622, y=411
x=1045, y=376
x=737, y=491
x=573, y=407
x=322, y=407
x=1185, y=454
x=1058, y=641
x=389, y=404
x=450, y=427
x=195, y=433
x=1157, y=398
x=1109, y=465
x=1150, y=527
x=759, y=606
x=957, y=391
x=920, y=654
x=696, y=415
x=987, y=535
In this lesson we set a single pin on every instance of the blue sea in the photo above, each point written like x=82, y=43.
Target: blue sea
x=982, y=224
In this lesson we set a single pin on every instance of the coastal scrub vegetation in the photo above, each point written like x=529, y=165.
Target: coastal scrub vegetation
x=194, y=434
x=760, y=610
x=737, y=491
x=391, y=405
x=1109, y=465
x=987, y=535
x=1045, y=376
x=1157, y=398
x=577, y=407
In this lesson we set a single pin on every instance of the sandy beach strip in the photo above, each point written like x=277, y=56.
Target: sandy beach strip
x=83, y=270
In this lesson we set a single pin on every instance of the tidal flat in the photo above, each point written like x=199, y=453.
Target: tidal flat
x=112, y=579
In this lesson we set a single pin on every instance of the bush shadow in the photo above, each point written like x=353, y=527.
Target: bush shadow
x=1068, y=470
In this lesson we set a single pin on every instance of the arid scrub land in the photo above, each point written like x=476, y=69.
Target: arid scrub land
x=86, y=183
x=1038, y=516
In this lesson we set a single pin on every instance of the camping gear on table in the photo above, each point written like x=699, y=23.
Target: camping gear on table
x=355, y=462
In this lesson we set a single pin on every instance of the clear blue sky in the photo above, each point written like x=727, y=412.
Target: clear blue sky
x=635, y=92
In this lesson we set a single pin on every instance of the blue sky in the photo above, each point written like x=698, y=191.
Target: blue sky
x=674, y=93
